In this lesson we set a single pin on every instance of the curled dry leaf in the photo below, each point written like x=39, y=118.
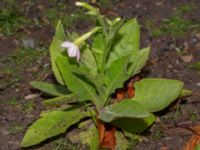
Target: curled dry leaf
x=194, y=140
x=106, y=135
x=130, y=87
x=106, y=131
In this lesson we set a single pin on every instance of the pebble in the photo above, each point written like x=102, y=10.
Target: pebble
x=158, y=3
x=33, y=69
x=187, y=58
x=198, y=35
x=47, y=65
x=198, y=84
x=31, y=96
x=137, y=6
x=28, y=43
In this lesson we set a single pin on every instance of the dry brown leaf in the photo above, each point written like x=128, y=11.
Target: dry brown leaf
x=106, y=131
x=106, y=135
x=194, y=140
x=130, y=87
x=120, y=95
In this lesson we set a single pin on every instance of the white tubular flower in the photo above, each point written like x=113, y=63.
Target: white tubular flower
x=72, y=49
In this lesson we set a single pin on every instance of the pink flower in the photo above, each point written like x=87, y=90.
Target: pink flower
x=72, y=49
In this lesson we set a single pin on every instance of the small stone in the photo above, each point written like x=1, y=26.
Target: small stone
x=170, y=66
x=198, y=35
x=137, y=6
x=198, y=84
x=172, y=46
x=158, y=3
x=33, y=69
x=187, y=58
x=46, y=65
x=194, y=40
x=31, y=96
x=28, y=43
x=157, y=120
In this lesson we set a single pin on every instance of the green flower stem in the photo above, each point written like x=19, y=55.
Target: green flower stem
x=185, y=93
x=87, y=6
x=84, y=37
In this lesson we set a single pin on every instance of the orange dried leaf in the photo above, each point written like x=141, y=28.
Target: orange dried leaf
x=101, y=130
x=109, y=141
x=194, y=140
x=120, y=95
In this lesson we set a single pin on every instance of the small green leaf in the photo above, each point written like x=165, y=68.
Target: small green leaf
x=126, y=41
x=90, y=138
x=60, y=33
x=52, y=124
x=55, y=50
x=61, y=100
x=123, y=109
x=49, y=88
x=135, y=125
x=138, y=60
x=185, y=93
x=157, y=94
x=121, y=141
x=81, y=87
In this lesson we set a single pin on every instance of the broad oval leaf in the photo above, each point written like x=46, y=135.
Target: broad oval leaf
x=157, y=94
x=49, y=88
x=82, y=88
x=52, y=124
x=135, y=125
x=128, y=40
x=123, y=109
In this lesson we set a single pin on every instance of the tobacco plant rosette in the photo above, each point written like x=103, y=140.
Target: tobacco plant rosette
x=106, y=57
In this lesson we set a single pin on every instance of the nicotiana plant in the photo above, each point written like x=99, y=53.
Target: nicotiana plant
x=90, y=69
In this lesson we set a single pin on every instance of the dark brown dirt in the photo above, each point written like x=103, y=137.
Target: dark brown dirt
x=170, y=128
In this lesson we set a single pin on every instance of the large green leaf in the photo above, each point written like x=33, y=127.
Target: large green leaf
x=55, y=50
x=52, y=124
x=123, y=109
x=81, y=87
x=157, y=94
x=49, y=88
x=115, y=75
x=138, y=60
x=61, y=100
x=90, y=138
x=126, y=41
x=135, y=125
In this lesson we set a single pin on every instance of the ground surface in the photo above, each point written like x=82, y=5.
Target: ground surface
x=27, y=29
